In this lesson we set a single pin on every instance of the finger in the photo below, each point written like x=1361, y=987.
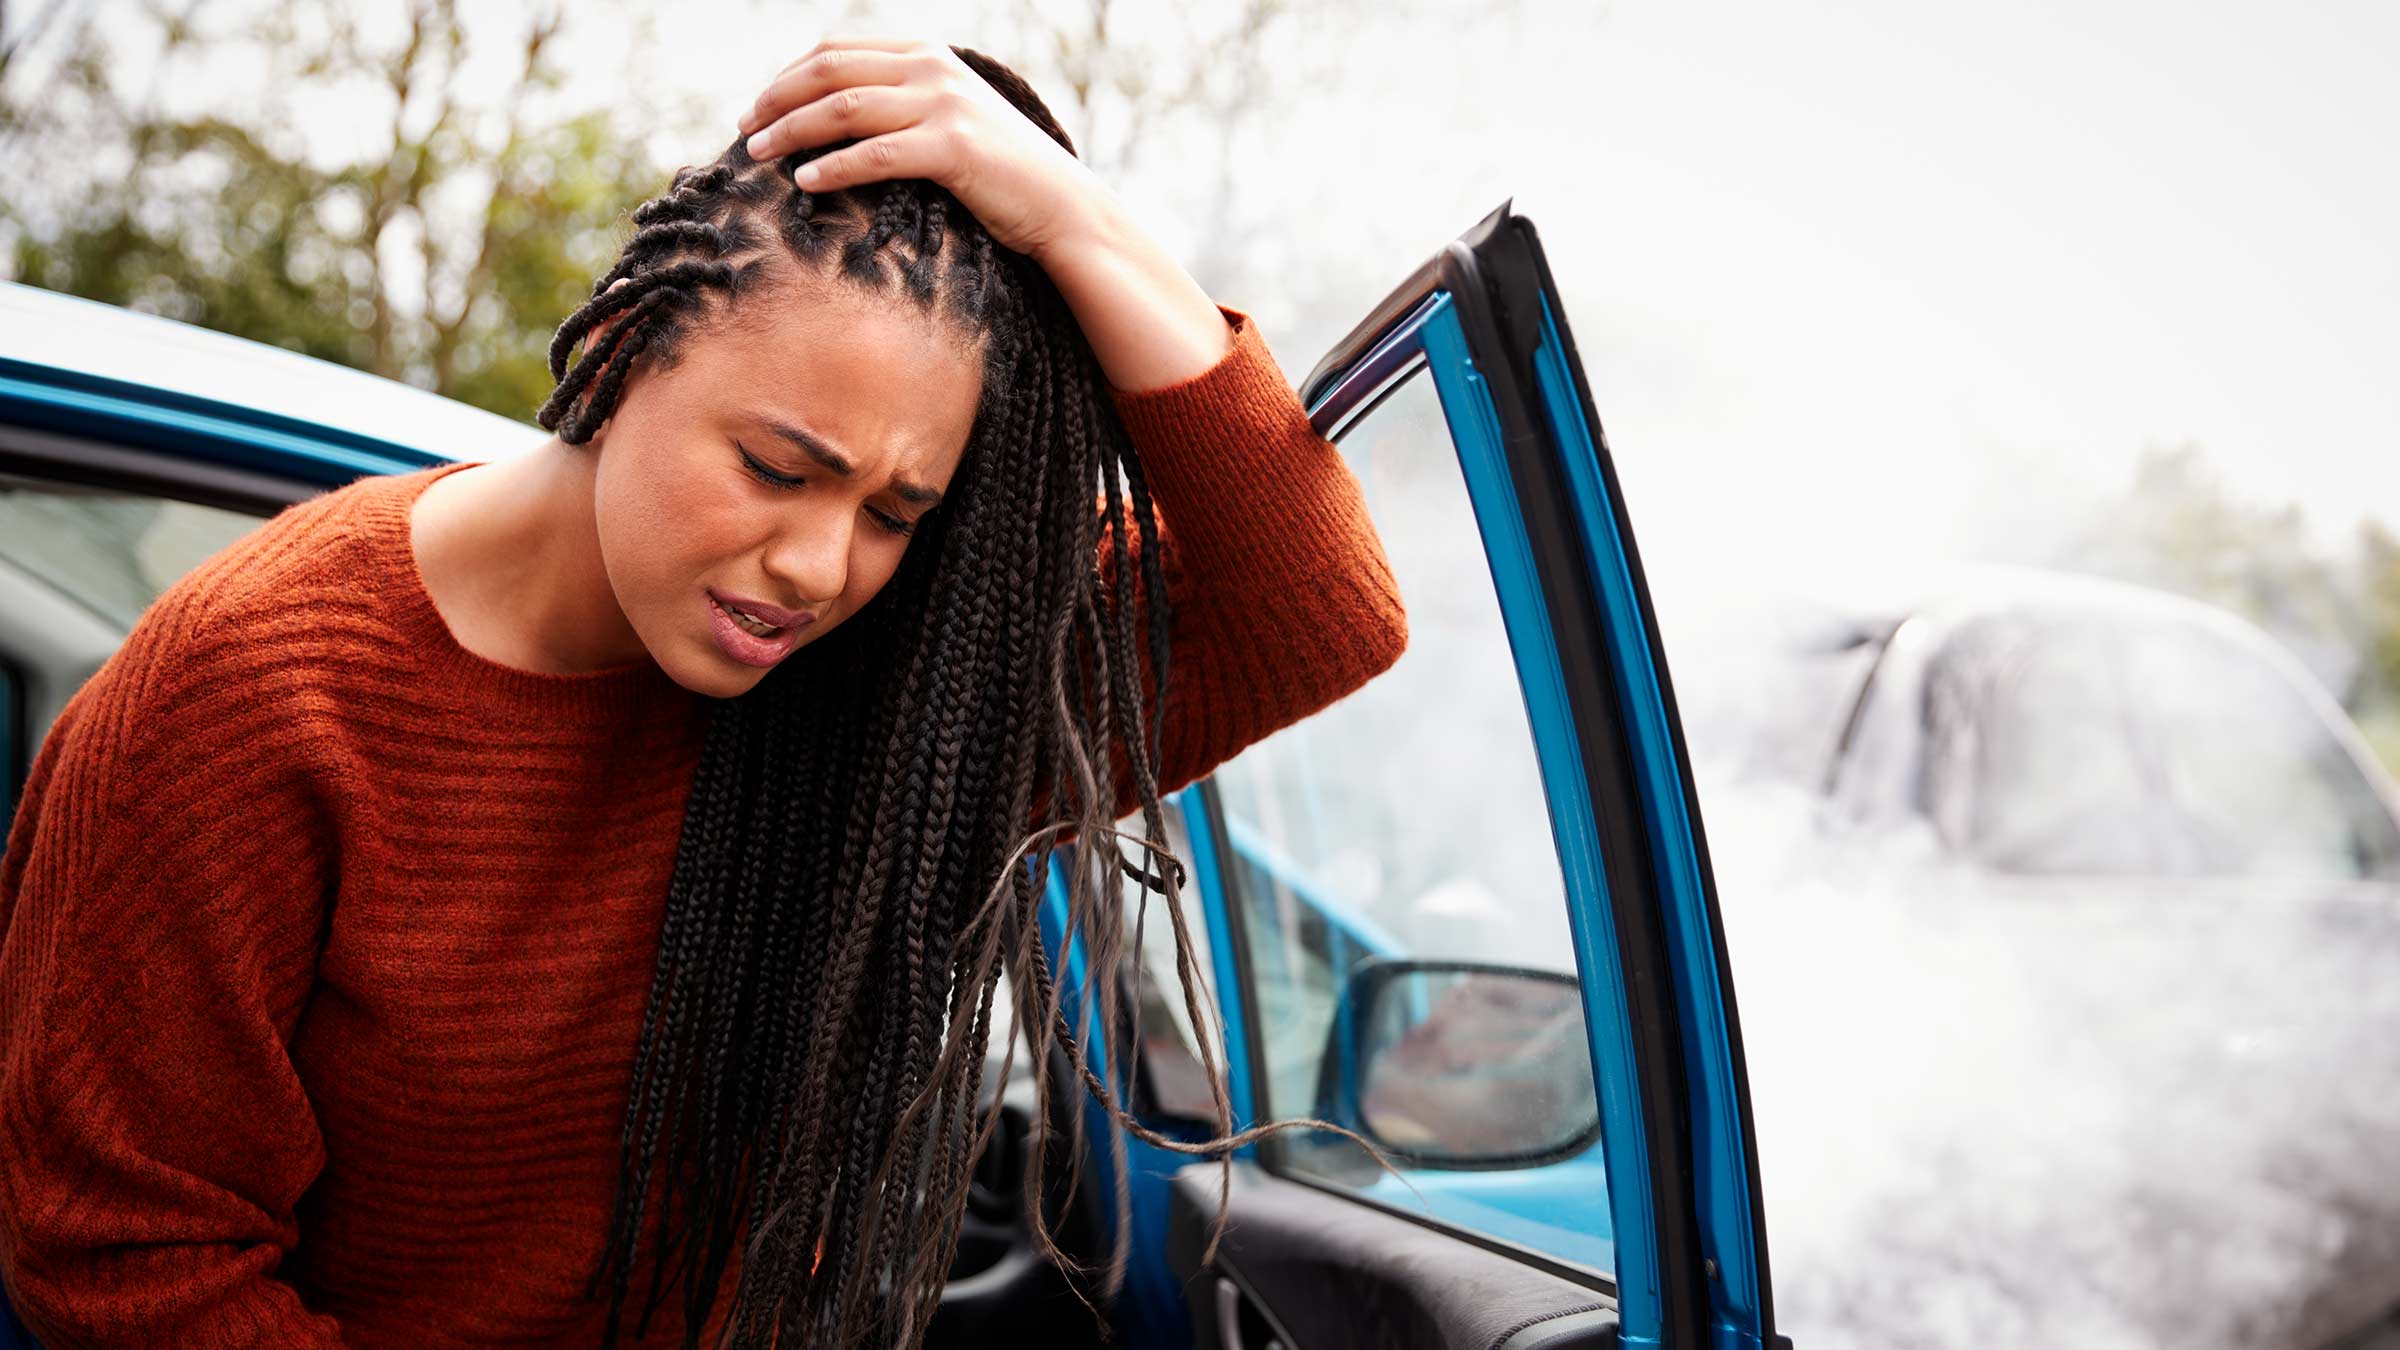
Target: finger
x=895, y=42
x=821, y=71
x=844, y=44
x=894, y=46
x=819, y=74
x=854, y=44
x=913, y=153
x=890, y=42
x=851, y=114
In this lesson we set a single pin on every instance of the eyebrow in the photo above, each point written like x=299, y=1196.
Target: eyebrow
x=832, y=459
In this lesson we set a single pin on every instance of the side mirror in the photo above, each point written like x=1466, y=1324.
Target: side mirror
x=1462, y=1065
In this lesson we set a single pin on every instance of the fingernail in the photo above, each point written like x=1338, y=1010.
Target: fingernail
x=757, y=143
x=807, y=175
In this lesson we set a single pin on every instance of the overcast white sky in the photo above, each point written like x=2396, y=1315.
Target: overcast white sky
x=1884, y=274
x=1937, y=255
x=1881, y=278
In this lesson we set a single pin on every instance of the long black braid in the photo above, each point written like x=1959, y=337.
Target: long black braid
x=855, y=868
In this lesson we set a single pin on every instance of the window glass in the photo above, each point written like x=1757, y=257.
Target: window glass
x=112, y=552
x=2134, y=744
x=1400, y=904
x=1174, y=1080
x=108, y=552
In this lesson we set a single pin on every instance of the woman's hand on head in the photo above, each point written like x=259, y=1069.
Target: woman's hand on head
x=917, y=111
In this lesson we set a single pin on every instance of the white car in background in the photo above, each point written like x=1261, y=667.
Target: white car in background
x=2057, y=726
x=2128, y=881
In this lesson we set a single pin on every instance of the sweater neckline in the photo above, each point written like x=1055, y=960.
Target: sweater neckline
x=594, y=693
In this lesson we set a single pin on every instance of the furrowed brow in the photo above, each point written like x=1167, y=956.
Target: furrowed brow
x=832, y=459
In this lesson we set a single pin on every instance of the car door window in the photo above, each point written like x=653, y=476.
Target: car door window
x=110, y=551
x=1401, y=912
x=1172, y=1080
x=78, y=565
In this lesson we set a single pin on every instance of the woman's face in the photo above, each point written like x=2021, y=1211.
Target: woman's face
x=861, y=402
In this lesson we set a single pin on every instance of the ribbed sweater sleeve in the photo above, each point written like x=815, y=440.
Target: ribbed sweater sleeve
x=1281, y=597
x=163, y=899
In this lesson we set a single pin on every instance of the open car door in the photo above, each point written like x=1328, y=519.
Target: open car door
x=1467, y=913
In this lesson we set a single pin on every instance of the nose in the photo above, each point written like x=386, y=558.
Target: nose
x=811, y=556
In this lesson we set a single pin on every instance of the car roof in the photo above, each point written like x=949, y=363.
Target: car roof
x=1971, y=592
x=63, y=332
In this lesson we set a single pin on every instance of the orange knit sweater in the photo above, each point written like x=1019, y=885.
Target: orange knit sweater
x=324, y=942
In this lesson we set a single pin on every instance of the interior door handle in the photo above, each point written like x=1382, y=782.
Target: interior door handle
x=1229, y=1315
x=1229, y=1319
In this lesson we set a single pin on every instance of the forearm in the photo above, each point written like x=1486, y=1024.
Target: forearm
x=1282, y=597
x=1149, y=323
x=140, y=1300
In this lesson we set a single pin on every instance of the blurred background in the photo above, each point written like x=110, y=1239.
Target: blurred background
x=1873, y=296
x=2101, y=286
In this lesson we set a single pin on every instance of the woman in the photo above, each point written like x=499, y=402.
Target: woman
x=713, y=737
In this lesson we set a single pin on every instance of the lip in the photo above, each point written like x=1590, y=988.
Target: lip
x=774, y=614
x=740, y=644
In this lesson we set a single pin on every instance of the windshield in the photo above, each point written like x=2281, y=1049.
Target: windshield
x=2125, y=744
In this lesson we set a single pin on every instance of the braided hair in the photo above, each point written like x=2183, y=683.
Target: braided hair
x=859, y=850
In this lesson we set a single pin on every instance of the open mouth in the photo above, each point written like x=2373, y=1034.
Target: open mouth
x=750, y=623
x=749, y=639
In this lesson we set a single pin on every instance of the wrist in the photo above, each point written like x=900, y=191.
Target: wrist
x=1150, y=324
x=1093, y=226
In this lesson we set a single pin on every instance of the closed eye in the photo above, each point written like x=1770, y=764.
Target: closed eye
x=750, y=464
x=761, y=472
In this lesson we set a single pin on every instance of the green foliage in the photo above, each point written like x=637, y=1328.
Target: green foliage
x=254, y=258
x=553, y=227
x=2178, y=526
x=441, y=249
x=2181, y=528
x=2380, y=567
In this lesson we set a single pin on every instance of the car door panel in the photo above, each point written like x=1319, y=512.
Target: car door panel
x=1341, y=1273
x=1725, y=1174
x=1324, y=1265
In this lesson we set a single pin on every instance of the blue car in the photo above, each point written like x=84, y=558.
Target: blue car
x=1465, y=915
